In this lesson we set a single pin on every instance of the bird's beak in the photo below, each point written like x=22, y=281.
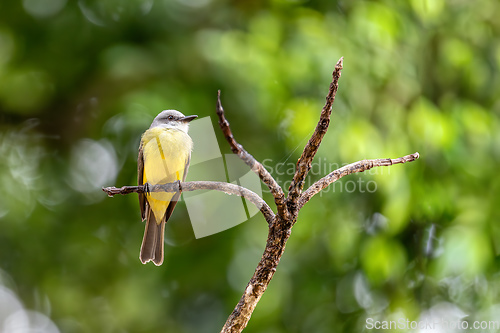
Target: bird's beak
x=187, y=119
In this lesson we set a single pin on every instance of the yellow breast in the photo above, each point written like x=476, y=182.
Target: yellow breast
x=166, y=152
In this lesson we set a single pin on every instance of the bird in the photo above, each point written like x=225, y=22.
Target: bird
x=164, y=156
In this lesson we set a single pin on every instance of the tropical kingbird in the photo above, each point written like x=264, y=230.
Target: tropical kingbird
x=164, y=155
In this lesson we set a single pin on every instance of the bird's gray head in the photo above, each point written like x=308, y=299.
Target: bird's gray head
x=172, y=119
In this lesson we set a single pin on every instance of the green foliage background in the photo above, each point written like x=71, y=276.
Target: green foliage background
x=81, y=80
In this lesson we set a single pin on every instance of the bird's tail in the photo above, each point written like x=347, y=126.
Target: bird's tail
x=152, y=243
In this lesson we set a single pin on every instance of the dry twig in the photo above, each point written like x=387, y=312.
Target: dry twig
x=256, y=166
x=359, y=166
x=304, y=162
x=227, y=188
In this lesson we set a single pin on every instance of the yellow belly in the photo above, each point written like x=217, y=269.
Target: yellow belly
x=166, y=153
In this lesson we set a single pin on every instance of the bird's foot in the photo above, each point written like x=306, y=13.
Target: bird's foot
x=147, y=188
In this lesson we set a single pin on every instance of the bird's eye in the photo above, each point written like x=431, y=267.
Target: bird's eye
x=170, y=117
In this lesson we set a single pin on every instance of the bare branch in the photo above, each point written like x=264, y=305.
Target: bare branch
x=359, y=166
x=304, y=162
x=228, y=188
x=280, y=228
x=257, y=167
x=280, y=224
x=279, y=232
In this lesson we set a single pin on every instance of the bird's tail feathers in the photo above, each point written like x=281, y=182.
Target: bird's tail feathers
x=152, y=243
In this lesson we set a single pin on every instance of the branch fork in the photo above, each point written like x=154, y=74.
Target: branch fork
x=288, y=207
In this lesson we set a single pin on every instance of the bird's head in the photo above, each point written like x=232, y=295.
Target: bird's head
x=172, y=119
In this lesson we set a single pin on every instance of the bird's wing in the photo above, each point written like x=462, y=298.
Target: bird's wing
x=140, y=181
